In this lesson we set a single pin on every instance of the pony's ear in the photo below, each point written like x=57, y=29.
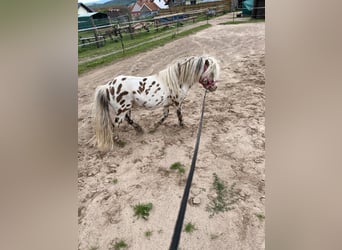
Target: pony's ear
x=206, y=63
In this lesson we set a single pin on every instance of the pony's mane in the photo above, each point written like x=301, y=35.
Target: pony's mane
x=188, y=71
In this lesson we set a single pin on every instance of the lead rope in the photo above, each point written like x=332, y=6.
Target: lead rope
x=179, y=224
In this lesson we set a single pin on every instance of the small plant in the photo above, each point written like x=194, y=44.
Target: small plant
x=121, y=143
x=142, y=210
x=260, y=216
x=115, y=181
x=93, y=248
x=148, y=234
x=179, y=167
x=225, y=197
x=119, y=245
x=189, y=228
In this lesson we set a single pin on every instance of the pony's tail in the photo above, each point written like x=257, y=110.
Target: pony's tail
x=103, y=123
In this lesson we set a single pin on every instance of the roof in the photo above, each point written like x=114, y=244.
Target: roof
x=97, y=14
x=151, y=6
x=86, y=7
x=137, y=7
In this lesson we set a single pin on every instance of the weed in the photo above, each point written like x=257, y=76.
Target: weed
x=121, y=143
x=119, y=245
x=115, y=181
x=179, y=167
x=148, y=234
x=260, y=216
x=142, y=210
x=93, y=248
x=189, y=228
x=225, y=198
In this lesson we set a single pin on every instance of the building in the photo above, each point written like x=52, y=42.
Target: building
x=144, y=8
x=83, y=9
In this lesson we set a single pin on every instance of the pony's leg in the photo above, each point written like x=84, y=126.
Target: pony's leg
x=165, y=115
x=135, y=125
x=180, y=116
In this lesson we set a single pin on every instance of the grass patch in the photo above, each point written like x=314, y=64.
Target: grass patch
x=249, y=20
x=225, y=197
x=148, y=234
x=121, y=143
x=179, y=167
x=120, y=244
x=93, y=248
x=189, y=227
x=115, y=181
x=142, y=210
x=83, y=67
x=261, y=217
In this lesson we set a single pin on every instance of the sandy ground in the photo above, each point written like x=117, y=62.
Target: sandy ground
x=232, y=146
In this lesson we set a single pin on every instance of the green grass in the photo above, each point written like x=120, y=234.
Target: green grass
x=120, y=244
x=179, y=167
x=121, y=143
x=148, y=234
x=142, y=210
x=261, y=217
x=225, y=197
x=250, y=20
x=189, y=227
x=84, y=67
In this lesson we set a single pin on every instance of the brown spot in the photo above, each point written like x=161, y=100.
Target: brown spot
x=180, y=85
x=107, y=92
x=119, y=97
x=177, y=103
x=119, y=89
x=114, y=81
x=123, y=79
x=112, y=90
x=142, y=87
x=158, y=85
x=154, y=82
x=156, y=90
x=134, y=92
x=152, y=95
x=144, y=79
x=122, y=102
x=116, y=119
x=122, y=110
x=147, y=91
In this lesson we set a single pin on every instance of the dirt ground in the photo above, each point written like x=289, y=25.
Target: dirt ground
x=232, y=146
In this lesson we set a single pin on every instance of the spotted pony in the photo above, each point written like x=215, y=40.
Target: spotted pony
x=167, y=88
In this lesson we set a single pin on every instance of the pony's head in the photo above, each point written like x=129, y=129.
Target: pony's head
x=210, y=73
x=189, y=70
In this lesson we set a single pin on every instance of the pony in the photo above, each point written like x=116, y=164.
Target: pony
x=169, y=87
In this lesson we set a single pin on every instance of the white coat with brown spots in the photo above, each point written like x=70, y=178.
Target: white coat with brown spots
x=168, y=87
